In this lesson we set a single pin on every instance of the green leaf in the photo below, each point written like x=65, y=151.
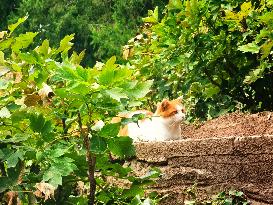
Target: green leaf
x=13, y=159
x=211, y=90
x=61, y=167
x=111, y=62
x=140, y=90
x=12, y=178
x=152, y=16
x=175, y=4
x=110, y=130
x=23, y=41
x=53, y=177
x=47, y=128
x=65, y=44
x=228, y=201
x=6, y=43
x=116, y=94
x=66, y=73
x=121, y=146
x=133, y=191
x=250, y=47
x=57, y=152
x=103, y=197
x=12, y=27
x=136, y=200
x=44, y=48
x=16, y=138
x=77, y=200
x=27, y=57
x=98, y=144
x=107, y=76
x=76, y=59
x=37, y=122
x=254, y=75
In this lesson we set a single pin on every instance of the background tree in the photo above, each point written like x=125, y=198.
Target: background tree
x=217, y=54
x=6, y=7
x=100, y=27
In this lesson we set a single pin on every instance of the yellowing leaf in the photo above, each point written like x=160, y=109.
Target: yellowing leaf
x=266, y=48
x=246, y=7
x=2, y=58
x=2, y=34
x=45, y=188
x=32, y=100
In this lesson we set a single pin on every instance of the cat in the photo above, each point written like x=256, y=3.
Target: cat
x=163, y=125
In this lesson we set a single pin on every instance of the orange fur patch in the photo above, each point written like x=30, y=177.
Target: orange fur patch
x=168, y=108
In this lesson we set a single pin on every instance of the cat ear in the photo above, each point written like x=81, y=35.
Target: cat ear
x=179, y=99
x=165, y=104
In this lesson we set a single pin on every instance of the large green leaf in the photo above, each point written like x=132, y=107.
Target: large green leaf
x=13, y=159
x=110, y=130
x=140, y=90
x=116, y=93
x=121, y=146
x=61, y=167
x=37, y=122
x=23, y=41
x=98, y=144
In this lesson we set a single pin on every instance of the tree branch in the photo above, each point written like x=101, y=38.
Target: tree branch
x=91, y=161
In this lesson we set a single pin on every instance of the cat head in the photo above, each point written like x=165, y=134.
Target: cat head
x=172, y=111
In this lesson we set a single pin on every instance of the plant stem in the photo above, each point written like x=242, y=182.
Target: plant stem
x=91, y=161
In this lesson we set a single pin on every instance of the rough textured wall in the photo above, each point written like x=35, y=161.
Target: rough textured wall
x=244, y=163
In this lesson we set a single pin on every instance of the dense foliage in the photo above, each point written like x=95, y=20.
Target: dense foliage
x=101, y=27
x=217, y=54
x=48, y=108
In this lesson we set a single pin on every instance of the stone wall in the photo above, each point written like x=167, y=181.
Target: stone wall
x=215, y=164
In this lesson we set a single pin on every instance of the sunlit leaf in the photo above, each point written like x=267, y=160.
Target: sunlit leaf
x=250, y=47
x=116, y=93
x=152, y=16
x=12, y=27
x=4, y=113
x=23, y=41
x=65, y=44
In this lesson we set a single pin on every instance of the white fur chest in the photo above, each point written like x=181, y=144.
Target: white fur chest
x=154, y=129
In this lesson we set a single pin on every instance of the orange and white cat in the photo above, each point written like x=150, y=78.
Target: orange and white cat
x=163, y=125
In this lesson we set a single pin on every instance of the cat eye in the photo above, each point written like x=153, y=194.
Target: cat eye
x=174, y=112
